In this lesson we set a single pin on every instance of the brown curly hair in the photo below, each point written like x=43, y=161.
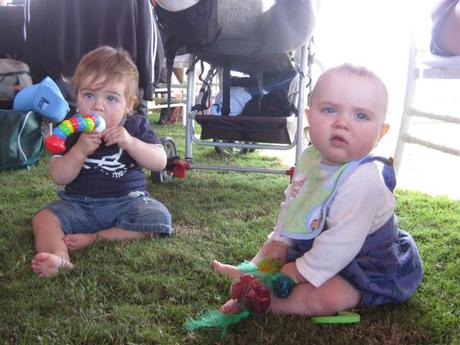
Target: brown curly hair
x=111, y=64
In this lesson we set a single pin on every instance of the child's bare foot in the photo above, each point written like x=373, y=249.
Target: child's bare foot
x=231, y=271
x=48, y=265
x=79, y=241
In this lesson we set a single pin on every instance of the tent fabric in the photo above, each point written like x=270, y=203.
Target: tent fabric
x=60, y=32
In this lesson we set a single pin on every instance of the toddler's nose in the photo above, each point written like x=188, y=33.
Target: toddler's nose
x=98, y=104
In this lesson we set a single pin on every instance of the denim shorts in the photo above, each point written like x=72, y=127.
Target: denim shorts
x=136, y=211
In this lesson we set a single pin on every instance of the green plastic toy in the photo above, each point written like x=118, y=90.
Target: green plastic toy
x=341, y=317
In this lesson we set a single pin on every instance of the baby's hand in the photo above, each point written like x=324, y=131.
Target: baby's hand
x=88, y=143
x=275, y=250
x=291, y=271
x=117, y=135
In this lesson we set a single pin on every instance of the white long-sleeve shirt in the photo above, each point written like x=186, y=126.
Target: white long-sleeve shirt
x=362, y=204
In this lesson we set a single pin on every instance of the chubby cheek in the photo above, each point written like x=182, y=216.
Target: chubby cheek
x=318, y=136
x=111, y=123
x=363, y=148
x=83, y=108
x=114, y=119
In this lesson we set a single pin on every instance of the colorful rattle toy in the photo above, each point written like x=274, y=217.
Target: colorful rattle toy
x=55, y=143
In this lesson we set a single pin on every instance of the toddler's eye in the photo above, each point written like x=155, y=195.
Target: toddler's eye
x=88, y=95
x=361, y=117
x=112, y=98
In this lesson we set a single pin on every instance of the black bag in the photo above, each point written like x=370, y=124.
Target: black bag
x=275, y=103
x=21, y=139
x=264, y=129
x=14, y=76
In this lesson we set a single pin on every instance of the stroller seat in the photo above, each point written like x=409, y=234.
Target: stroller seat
x=265, y=129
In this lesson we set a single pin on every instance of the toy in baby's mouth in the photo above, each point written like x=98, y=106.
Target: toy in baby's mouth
x=56, y=142
x=253, y=290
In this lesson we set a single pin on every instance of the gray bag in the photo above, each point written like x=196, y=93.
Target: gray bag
x=14, y=76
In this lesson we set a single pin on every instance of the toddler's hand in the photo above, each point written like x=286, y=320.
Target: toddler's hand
x=117, y=135
x=88, y=143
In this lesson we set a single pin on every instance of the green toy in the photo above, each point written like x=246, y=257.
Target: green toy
x=253, y=290
x=341, y=317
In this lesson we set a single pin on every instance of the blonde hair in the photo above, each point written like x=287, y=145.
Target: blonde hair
x=356, y=70
x=112, y=64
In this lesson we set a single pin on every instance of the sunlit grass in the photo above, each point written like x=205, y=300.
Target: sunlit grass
x=142, y=292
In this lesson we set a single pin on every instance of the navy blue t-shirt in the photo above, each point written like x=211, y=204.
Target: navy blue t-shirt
x=111, y=171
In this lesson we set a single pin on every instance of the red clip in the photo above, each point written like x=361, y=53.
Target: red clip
x=180, y=166
x=290, y=171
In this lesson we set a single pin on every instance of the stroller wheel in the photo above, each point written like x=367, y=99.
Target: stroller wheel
x=232, y=150
x=166, y=174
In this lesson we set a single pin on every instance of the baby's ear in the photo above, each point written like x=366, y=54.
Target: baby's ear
x=383, y=130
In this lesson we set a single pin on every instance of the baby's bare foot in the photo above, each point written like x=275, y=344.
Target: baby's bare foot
x=79, y=241
x=48, y=265
x=231, y=271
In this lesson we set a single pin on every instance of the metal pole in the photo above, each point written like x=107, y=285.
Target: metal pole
x=188, y=113
x=301, y=102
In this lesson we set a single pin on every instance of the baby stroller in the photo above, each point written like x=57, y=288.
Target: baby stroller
x=267, y=41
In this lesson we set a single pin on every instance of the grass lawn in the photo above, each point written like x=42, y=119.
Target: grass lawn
x=142, y=292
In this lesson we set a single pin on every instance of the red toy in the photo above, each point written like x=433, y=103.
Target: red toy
x=251, y=294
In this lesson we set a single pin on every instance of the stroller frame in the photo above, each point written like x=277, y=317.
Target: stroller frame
x=306, y=59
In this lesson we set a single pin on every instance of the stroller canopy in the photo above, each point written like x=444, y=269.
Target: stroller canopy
x=247, y=33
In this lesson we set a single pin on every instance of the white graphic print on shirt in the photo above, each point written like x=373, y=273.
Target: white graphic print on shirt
x=108, y=165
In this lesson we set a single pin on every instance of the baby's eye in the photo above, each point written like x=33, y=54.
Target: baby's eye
x=328, y=110
x=361, y=116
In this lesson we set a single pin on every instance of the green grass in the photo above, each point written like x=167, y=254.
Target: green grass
x=142, y=292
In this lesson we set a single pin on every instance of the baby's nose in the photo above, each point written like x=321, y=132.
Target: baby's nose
x=341, y=121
